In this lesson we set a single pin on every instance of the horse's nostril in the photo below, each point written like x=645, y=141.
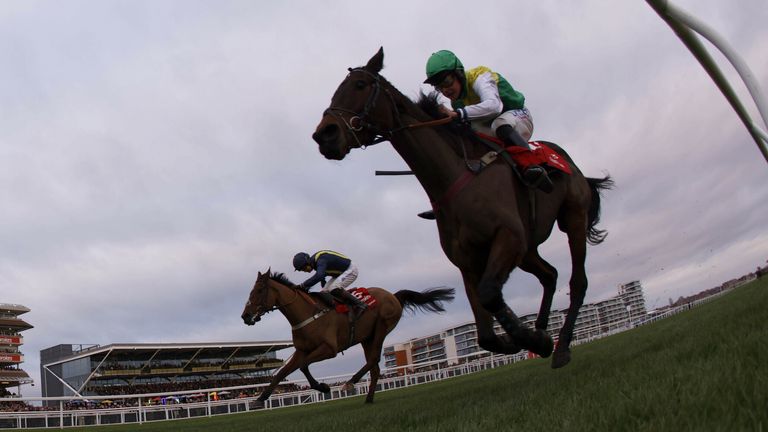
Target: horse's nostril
x=328, y=133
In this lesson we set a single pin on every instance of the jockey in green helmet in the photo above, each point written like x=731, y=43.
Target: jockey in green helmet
x=483, y=97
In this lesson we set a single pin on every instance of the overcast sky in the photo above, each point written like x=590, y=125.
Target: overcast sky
x=155, y=155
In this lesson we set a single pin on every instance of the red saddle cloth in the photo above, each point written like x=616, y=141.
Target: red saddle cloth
x=539, y=154
x=362, y=294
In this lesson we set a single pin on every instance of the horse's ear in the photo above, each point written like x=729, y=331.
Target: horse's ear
x=269, y=271
x=376, y=63
x=258, y=276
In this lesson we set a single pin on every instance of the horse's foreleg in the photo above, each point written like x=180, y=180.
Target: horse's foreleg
x=293, y=363
x=507, y=252
x=321, y=387
x=534, y=264
x=298, y=359
x=576, y=229
x=487, y=339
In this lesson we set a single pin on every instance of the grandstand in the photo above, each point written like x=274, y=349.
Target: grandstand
x=11, y=326
x=122, y=369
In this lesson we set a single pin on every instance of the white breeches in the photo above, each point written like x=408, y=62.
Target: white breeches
x=343, y=280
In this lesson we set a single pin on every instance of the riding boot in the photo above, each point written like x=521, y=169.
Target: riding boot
x=350, y=300
x=534, y=175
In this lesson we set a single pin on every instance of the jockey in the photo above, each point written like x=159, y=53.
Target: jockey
x=341, y=270
x=484, y=96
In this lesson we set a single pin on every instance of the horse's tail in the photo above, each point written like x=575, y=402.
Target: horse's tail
x=596, y=236
x=428, y=300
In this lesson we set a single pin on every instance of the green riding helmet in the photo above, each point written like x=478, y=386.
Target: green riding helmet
x=439, y=64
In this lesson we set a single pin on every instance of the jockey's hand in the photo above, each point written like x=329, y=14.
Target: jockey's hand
x=447, y=112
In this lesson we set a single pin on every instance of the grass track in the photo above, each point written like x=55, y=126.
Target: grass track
x=702, y=370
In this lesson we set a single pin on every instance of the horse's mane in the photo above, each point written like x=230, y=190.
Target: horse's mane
x=427, y=107
x=429, y=104
x=281, y=278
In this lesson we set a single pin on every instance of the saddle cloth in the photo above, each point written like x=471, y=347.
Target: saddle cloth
x=360, y=293
x=539, y=154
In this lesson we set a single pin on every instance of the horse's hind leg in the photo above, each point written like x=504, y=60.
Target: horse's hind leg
x=373, y=354
x=575, y=226
x=321, y=387
x=372, y=348
x=534, y=264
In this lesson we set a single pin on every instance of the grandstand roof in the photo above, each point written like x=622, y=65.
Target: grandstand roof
x=178, y=350
x=13, y=378
x=15, y=324
x=14, y=309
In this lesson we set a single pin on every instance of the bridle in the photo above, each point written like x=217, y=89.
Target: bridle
x=262, y=300
x=359, y=121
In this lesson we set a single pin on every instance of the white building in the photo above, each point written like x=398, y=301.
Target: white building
x=594, y=319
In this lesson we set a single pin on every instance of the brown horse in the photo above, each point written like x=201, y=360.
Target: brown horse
x=320, y=333
x=489, y=222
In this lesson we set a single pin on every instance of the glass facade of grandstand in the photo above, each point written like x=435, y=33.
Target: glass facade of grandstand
x=77, y=370
x=595, y=319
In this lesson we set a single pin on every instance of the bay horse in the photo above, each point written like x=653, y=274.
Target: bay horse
x=320, y=333
x=489, y=222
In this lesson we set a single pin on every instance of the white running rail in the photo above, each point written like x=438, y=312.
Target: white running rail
x=684, y=25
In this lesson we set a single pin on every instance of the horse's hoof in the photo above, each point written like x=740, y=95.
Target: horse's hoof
x=536, y=341
x=561, y=359
x=544, y=342
x=348, y=387
x=369, y=400
x=323, y=388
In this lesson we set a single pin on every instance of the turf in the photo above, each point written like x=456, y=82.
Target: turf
x=705, y=369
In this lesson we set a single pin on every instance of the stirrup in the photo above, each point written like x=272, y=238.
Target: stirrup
x=429, y=215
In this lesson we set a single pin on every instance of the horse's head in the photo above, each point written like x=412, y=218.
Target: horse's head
x=358, y=113
x=259, y=300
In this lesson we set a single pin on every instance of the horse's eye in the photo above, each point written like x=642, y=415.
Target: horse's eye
x=360, y=84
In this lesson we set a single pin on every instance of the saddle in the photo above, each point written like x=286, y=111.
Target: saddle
x=330, y=301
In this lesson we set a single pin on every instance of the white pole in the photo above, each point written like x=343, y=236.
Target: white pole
x=682, y=23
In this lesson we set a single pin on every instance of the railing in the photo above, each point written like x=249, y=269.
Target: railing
x=138, y=409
